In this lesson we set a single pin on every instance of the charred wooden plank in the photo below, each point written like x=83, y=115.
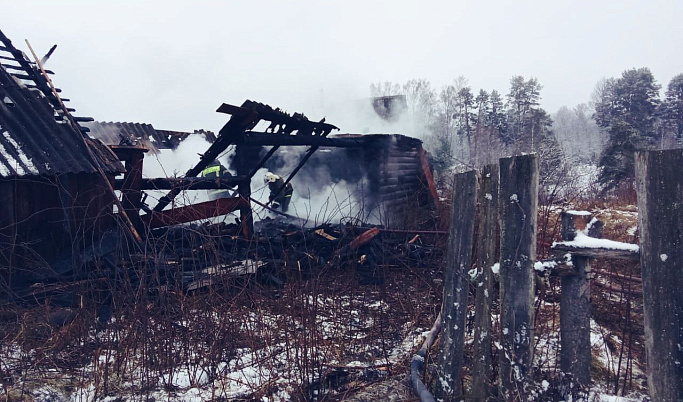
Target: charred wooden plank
x=427, y=172
x=194, y=212
x=187, y=183
x=270, y=139
x=364, y=238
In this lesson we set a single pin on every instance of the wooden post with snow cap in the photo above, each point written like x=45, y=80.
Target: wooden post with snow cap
x=575, y=306
x=518, y=222
x=454, y=308
x=486, y=258
x=659, y=184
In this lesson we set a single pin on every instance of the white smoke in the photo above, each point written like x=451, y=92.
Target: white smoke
x=317, y=197
x=175, y=163
x=359, y=117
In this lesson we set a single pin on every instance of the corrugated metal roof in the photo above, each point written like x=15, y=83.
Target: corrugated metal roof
x=32, y=140
x=111, y=133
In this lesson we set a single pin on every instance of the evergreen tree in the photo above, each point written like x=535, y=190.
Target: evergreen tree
x=481, y=128
x=465, y=116
x=673, y=108
x=522, y=102
x=497, y=117
x=627, y=111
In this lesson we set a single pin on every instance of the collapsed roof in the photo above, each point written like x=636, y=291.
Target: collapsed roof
x=115, y=133
x=37, y=136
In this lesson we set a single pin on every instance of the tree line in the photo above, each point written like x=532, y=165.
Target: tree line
x=471, y=129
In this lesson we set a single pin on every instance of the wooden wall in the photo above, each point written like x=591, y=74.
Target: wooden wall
x=41, y=217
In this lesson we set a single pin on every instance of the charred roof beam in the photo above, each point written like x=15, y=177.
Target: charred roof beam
x=267, y=139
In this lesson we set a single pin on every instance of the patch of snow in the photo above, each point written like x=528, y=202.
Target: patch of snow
x=663, y=257
x=583, y=241
x=514, y=198
x=496, y=268
x=472, y=273
x=543, y=266
x=578, y=213
x=23, y=166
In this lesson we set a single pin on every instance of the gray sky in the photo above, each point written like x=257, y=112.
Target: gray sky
x=173, y=63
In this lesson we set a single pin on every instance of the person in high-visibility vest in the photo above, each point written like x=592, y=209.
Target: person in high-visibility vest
x=278, y=196
x=213, y=171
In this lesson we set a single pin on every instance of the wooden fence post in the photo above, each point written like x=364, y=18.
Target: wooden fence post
x=244, y=190
x=454, y=308
x=518, y=221
x=575, y=307
x=660, y=205
x=486, y=257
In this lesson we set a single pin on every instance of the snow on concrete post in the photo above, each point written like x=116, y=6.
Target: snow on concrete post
x=575, y=307
x=486, y=258
x=518, y=220
x=660, y=205
x=454, y=309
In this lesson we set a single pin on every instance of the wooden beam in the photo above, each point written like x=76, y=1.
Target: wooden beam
x=204, y=210
x=575, y=310
x=187, y=183
x=228, y=135
x=518, y=220
x=274, y=139
x=454, y=308
x=659, y=185
x=487, y=248
x=597, y=252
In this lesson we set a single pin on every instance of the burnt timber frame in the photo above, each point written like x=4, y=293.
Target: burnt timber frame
x=284, y=129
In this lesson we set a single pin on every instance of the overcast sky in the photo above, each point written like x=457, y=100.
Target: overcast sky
x=173, y=63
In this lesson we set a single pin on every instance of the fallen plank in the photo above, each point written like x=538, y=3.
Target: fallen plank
x=221, y=206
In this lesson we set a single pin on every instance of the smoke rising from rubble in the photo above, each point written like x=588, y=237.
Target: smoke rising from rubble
x=331, y=187
x=174, y=163
x=319, y=193
x=359, y=117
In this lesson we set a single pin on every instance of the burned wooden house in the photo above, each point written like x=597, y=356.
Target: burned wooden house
x=53, y=178
x=394, y=168
x=57, y=182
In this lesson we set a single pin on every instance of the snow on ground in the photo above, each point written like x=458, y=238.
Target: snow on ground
x=273, y=370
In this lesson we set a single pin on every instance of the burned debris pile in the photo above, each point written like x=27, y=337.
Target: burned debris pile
x=216, y=258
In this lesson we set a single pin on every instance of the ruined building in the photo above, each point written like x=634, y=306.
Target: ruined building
x=52, y=192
